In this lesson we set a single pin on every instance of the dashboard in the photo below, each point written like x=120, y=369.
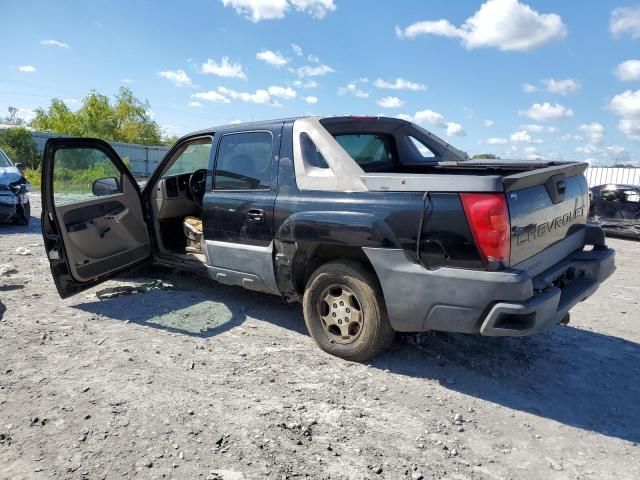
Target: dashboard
x=170, y=197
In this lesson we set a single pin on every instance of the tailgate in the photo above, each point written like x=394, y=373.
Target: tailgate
x=545, y=206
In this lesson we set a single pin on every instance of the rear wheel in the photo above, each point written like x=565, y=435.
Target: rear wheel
x=345, y=313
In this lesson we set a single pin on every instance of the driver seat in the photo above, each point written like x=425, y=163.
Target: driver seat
x=192, y=227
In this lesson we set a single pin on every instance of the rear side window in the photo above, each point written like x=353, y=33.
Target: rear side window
x=244, y=161
x=368, y=149
x=310, y=152
x=423, y=150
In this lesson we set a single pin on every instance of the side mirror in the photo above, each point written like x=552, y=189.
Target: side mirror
x=20, y=166
x=105, y=186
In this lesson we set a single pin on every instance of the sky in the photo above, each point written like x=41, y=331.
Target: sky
x=519, y=79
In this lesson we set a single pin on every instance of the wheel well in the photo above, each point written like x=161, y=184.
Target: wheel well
x=310, y=256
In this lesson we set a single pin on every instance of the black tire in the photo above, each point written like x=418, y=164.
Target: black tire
x=23, y=215
x=364, y=330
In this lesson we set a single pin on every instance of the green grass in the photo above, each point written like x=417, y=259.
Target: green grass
x=74, y=180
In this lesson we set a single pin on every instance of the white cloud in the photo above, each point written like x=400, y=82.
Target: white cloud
x=26, y=68
x=127, y=81
x=504, y=24
x=628, y=71
x=311, y=100
x=496, y=141
x=614, y=149
x=211, y=96
x=543, y=112
x=533, y=128
x=593, y=132
x=567, y=86
x=569, y=137
x=627, y=106
x=313, y=58
x=528, y=88
x=353, y=89
x=195, y=104
x=427, y=116
x=272, y=58
x=55, y=43
x=170, y=130
x=488, y=123
x=317, y=71
x=286, y=93
x=522, y=136
x=399, y=84
x=178, y=77
x=625, y=20
x=297, y=49
x=390, y=102
x=260, y=95
x=531, y=153
x=630, y=127
x=257, y=10
x=310, y=83
x=315, y=8
x=224, y=68
x=587, y=149
x=455, y=130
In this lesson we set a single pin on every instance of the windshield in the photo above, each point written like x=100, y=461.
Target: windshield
x=4, y=160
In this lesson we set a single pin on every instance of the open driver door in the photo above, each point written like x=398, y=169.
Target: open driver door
x=93, y=222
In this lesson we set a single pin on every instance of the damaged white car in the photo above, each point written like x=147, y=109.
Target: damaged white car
x=14, y=200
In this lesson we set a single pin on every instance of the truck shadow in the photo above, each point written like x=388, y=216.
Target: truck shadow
x=577, y=377
x=196, y=307
x=32, y=228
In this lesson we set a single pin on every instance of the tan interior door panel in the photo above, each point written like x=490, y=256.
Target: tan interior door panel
x=104, y=234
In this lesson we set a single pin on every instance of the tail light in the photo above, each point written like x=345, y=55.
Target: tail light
x=488, y=217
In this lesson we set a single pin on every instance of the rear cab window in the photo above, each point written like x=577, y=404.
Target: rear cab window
x=370, y=150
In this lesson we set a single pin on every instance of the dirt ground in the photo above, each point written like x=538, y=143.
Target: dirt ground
x=208, y=381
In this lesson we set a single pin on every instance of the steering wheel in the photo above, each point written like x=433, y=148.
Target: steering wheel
x=197, y=185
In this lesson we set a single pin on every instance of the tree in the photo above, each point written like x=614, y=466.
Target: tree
x=18, y=144
x=485, y=156
x=13, y=118
x=126, y=120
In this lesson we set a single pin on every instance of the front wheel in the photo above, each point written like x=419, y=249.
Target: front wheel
x=23, y=214
x=345, y=313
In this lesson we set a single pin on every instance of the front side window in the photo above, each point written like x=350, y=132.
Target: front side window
x=244, y=161
x=81, y=174
x=193, y=156
x=368, y=149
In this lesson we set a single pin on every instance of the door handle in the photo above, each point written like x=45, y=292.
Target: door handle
x=117, y=215
x=255, y=215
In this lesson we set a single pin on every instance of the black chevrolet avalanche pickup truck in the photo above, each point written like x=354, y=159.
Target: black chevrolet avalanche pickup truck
x=374, y=224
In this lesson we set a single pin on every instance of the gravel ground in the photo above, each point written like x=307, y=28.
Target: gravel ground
x=208, y=381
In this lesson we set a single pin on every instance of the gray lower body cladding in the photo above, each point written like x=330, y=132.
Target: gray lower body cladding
x=505, y=303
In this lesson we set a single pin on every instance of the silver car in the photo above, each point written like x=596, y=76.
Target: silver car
x=14, y=201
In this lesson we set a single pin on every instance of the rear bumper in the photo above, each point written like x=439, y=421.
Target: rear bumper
x=505, y=303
